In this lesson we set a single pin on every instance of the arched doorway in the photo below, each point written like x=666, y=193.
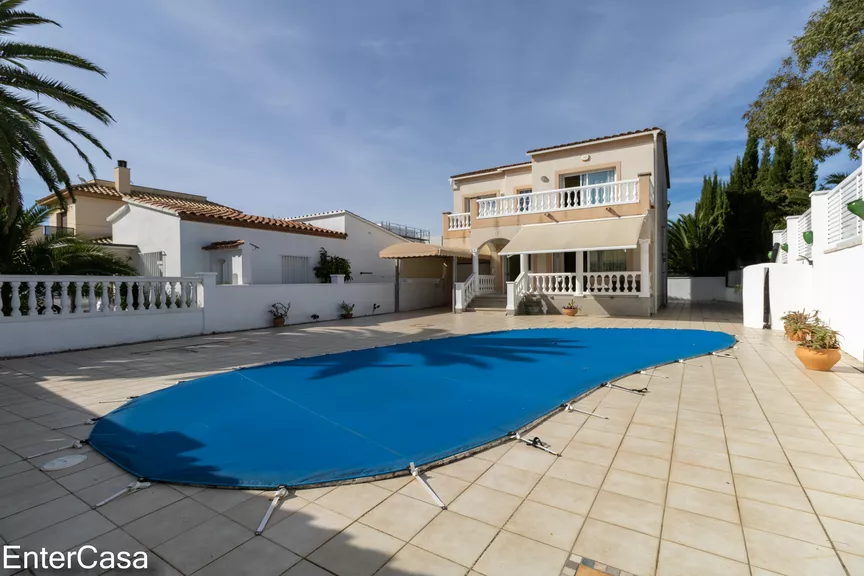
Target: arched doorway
x=499, y=267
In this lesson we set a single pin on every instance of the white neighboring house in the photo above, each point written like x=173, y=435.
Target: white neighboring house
x=181, y=234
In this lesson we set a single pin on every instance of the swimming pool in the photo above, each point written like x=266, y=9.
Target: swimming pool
x=371, y=412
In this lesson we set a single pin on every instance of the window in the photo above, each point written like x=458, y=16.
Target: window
x=152, y=264
x=295, y=269
x=580, y=197
x=608, y=261
x=61, y=219
x=524, y=203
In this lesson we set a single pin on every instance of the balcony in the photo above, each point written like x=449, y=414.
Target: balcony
x=580, y=197
x=43, y=231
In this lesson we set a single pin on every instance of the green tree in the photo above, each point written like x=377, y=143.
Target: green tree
x=764, y=170
x=778, y=177
x=695, y=245
x=23, y=118
x=60, y=253
x=817, y=96
x=833, y=179
x=750, y=163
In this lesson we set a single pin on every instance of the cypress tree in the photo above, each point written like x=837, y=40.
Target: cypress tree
x=736, y=180
x=750, y=163
x=764, y=169
x=778, y=177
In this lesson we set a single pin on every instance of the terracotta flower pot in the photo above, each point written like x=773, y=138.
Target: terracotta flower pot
x=347, y=316
x=278, y=322
x=569, y=311
x=822, y=360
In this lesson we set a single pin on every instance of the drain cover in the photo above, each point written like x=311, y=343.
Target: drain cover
x=63, y=462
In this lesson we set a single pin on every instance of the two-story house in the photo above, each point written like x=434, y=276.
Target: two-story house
x=584, y=220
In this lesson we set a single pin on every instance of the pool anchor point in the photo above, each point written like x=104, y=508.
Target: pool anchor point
x=649, y=374
x=275, y=502
x=681, y=361
x=570, y=408
x=639, y=391
x=76, y=444
x=133, y=487
x=425, y=485
x=536, y=442
x=723, y=354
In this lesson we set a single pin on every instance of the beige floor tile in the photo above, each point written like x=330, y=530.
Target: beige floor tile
x=835, y=506
x=772, y=492
x=446, y=487
x=493, y=454
x=651, y=433
x=640, y=464
x=628, y=512
x=853, y=562
x=42, y=516
x=305, y=568
x=556, y=432
x=565, y=495
x=832, y=483
x=757, y=451
x=514, y=555
x=619, y=547
x=64, y=535
x=353, y=500
x=678, y=560
x=307, y=529
x=412, y=560
x=636, y=486
x=546, y=524
x=846, y=536
x=701, y=441
x=511, y=480
x=393, y=484
x=699, y=457
x=700, y=477
x=704, y=533
x=599, y=438
x=356, y=551
x=788, y=556
x=700, y=501
x=313, y=494
x=220, y=500
x=168, y=522
x=467, y=469
x=133, y=506
x=528, y=458
x=589, y=453
x=782, y=521
x=203, y=544
x=401, y=516
x=455, y=538
x=764, y=470
x=485, y=504
x=831, y=465
x=250, y=512
x=657, y=449
x=255, y=557
x=819, y=447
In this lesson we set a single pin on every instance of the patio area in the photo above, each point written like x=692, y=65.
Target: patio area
x=742, y=465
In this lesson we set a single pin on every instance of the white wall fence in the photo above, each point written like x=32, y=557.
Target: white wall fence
x=702, y=289
x=821, y=269
x=43, y=314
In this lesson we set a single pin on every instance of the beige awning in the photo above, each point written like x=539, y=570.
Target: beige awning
x=417, y=250
x=606, y=234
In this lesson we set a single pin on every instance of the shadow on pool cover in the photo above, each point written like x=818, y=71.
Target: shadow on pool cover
x=371, y=412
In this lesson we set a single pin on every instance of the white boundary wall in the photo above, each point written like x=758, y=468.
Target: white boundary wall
x=701, y=289
x=208, y=308
x=834, y=283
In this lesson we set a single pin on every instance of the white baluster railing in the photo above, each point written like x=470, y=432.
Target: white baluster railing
x=608, y=194
x=555, y=283
x=46, y=297
x=616, y=283
x=516, y=291
x=459, y=221
x=843, y=225
x=485, y=283
x=465, y=292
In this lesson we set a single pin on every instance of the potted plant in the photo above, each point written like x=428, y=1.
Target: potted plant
x=571, y=308
x=347, y=310
x=820, y=350
x=797, y=324
x=279, y=312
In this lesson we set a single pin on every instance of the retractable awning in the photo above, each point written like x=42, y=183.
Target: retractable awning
x=607, y=234
x=417, y=250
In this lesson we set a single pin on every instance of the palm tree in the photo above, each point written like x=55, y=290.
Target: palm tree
x=22, y=118
x=695, y=244
x=60, y=253
x=833, y=179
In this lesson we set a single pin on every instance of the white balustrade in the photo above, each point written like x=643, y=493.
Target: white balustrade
x=608, y=194
x=466, y=291
x=459, y=221
x=485, y=283
x=614, y=283
x=805, y=224
x=843, y=225
x=44, y=297
x=784, y=241
x=516, y=291
x=556, y=283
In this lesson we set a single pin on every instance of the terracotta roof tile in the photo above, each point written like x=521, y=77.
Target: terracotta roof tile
x=633, y=133
x=223, y=245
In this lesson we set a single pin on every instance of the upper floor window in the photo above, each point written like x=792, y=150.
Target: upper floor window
x=524, y=203
x=61, y=219
x=575, y=198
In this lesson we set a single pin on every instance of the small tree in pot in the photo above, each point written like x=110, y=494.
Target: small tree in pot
x=279, y=312
x=820, y=349
x=571, y=308
x=347, y=310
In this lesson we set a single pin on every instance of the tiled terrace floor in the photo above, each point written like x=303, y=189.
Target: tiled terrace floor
x=745, y=465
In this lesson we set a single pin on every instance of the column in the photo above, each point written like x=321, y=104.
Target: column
x=475, y=262
x=644, y=267
x=579, y=274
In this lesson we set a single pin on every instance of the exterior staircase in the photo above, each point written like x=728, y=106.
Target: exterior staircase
x=488, y=303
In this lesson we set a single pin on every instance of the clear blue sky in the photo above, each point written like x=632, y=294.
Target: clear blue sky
x=284, y=108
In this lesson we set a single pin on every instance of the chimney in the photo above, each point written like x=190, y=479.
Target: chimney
x=122, y=179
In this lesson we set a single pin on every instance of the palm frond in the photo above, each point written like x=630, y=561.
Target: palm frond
x=25, y=80
x=15, y=51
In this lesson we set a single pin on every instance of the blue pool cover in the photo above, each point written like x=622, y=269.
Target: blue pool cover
x=370, y=412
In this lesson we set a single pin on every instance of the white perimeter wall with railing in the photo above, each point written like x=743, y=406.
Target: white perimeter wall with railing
x=206, y=308
x=834, y=283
